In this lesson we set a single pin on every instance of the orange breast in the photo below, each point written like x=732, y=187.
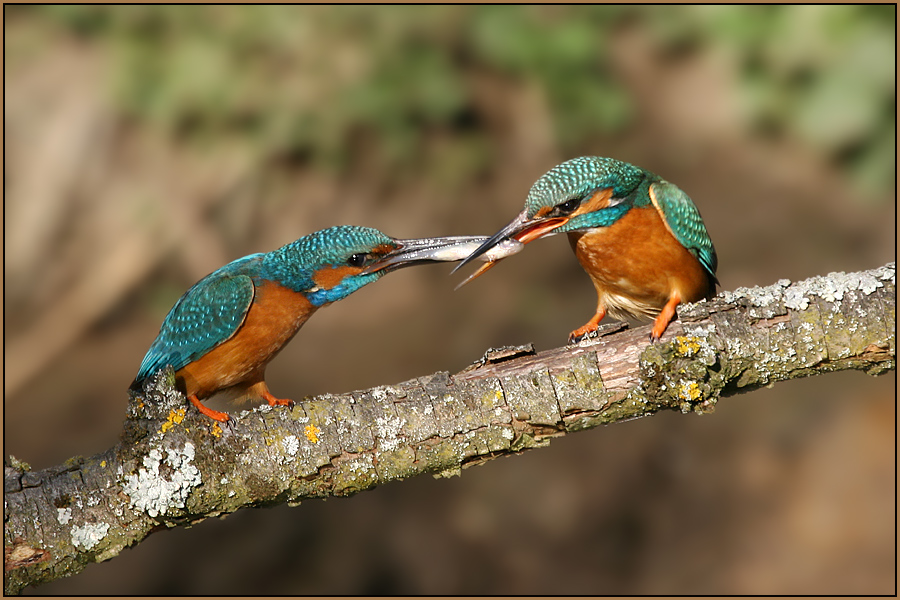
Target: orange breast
x=636, y=264
x=275, y=316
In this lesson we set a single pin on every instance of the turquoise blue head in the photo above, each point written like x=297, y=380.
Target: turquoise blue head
x=564, y=189
x=579, y=194
x=329, y=265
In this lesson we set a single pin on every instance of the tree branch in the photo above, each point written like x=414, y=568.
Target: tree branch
x=175, y=467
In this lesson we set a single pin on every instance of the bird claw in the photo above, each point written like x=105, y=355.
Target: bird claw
x=280, y=402
x=273, y=401
x=582, y=333
x=598, y=332
x=574, y=339
x=215, y=415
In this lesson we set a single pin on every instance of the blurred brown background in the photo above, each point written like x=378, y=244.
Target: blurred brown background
x=147, y=146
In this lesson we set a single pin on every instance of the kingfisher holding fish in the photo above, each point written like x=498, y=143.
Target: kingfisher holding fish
x=222, y=333
x=640, y=238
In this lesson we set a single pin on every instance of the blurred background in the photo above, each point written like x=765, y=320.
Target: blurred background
x=149, y=145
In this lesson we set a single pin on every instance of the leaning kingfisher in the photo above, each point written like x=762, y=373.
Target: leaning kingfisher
x=222, y=333
x=640, y=238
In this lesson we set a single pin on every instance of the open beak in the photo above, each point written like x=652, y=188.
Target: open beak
x=418, y=251
x=520, y=230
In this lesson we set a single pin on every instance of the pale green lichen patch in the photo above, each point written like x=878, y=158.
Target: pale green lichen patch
x=833, y=286
x=758, y=296
x=88, y=536
x=290, y=445
x=165, y=480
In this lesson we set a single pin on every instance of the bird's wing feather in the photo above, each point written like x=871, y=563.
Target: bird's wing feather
x=683, y=220
x=208, y=314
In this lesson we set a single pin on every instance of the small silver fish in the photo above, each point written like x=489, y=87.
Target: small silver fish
x=444, y=249
x=462, y=246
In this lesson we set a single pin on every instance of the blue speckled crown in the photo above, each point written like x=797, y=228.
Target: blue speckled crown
x=578, y=177
x=326, y=247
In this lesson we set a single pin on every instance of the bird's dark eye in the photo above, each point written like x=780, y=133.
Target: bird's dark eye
x=357, y=260
x=568, y=206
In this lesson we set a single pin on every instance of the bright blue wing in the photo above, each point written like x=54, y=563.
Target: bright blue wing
x=682, y=218
x=208, y=314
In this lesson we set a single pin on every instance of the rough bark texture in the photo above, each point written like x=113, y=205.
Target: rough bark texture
x=175, y=467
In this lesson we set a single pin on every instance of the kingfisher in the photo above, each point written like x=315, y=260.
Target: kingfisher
x=222, y=333
x=640, y=238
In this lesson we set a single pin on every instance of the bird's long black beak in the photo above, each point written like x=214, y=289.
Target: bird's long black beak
x=418, y=251
x=521, y=230
x=512, y=228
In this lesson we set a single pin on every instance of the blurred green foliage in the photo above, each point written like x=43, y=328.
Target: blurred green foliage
x=310, y=82
x=824, y=74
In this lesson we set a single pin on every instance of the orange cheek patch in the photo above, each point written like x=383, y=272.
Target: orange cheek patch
x=599, y=200
x=328, y=277
x=382, y=249
x=542, y=212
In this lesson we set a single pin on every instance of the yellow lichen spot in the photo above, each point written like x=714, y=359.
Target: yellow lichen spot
x=687, y=346
x=312, y=433
x=690, y=391
x=103, y=463
x=175, y=417
x=216, y=430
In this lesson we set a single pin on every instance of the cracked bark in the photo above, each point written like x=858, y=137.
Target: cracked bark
x=175, y=467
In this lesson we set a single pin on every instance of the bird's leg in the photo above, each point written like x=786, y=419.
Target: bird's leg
x=263, y=390
x=665, y=317
x=212, y=414
x=590, y=326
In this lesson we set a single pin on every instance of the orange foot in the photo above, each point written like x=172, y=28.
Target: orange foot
x=588, y=327
x=664, y=317
x=273, y=401
x=212, y=414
